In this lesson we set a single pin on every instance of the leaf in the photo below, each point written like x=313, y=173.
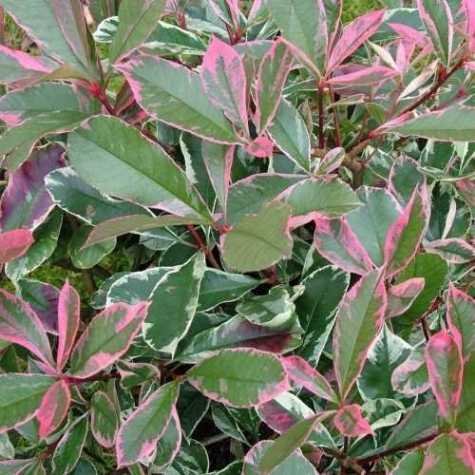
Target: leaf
x=402, y=296
x=350, y=422
x=136, y=23
x=18, y=67
x=289, y=441
x=335, y=240
x=453, y=454
x=134, y=224
x=453, y=250
x=460, y=318
x=69, y=309
x=80, y=199
x=20, y=397
x=405, y=235
x=295, y=463
x=69, y=449
x=20, y=325
x=358, y=323
x=218, y=287
x=135, y=374
x=140, y=433
x=107, y=338
x=353, y=36
x=261, y=147
x=25, y=203
x=118, y=160
x=385, y=356
x=411, y=463
x=327, y=197
x=14, y=244
x=176, y=294
x=411, y=377
x=455, y=123
x=439, y=23
x=404, y=178
x=370, y=76
x=304, y=24
x=301, y=373
x=59, y=28
x=16, y=467
x=290, y=133
x=171, y=93
x=104, y=419
x=445, y=367
x=316, y=307
x=54, y=408
x=240, y=377
x=258, y=241
x=169, y=444
x=272, y=76
x=224, y=81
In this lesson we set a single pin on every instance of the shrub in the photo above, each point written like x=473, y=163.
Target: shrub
x=270, y=218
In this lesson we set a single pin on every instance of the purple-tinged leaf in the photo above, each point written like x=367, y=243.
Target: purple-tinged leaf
x=367, y=76
x=453, y=250
x=350, y=422
x=107, y=338
x=53, y=409
x=19, y=324
x=335, y=241
x=405, y=235
x=240, y=377
x=261, y=147
x=19, y=68
x=461, y=319
x=69, y=308
x=104, y=419
x=224, y=81
x=20, y=397
x=26, y=202
x=439, y=23
x=43, y=299
x=272, y=76
x=359, y=320
x=411, y=377
x=401, y=296
x=140, y=433
x=445, y=365
x=302, y=374
x=353, y=36
x=14, y=243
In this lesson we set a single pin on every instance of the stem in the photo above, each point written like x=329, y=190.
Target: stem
x=321, y=118
x=336, y=118
x=201, y=245
x=2, y=26
x=425, y=329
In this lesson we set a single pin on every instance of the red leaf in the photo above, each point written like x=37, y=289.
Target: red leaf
x=14, y=244
x=350, y=422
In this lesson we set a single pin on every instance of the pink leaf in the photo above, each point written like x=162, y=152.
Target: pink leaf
x=353, y=36
x=445, y=366
x=402, y=296
x=469, y=7
x=410, y=34
x=224, y=80
x=301, y=373
x=14, y=244
x=69, y=307
x=368, y=76
x=26, y=202
x=54, y=408
x=335, y=241
x=262, y=147
x=350, y=422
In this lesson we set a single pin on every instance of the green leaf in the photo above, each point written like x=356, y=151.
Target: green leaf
x=136, y=23
x=169, y=444
x=411, y=463
x=466, y=407
x=80, y=199
x=173, y=94
x=138, y=436
x=69, y=449
x=20, y=397
x=259, y=241
x=456, y=123
x=118, y=160
x=290, y=134
x=104, y=419
x=60, y=29
x=358, y=323
x=176, y=294
x=239, y=378
x=304, y=24
x=331, y=198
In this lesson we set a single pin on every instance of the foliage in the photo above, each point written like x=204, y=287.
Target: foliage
x=267, y=212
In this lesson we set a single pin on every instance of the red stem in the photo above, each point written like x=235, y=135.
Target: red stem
x=201, y=245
